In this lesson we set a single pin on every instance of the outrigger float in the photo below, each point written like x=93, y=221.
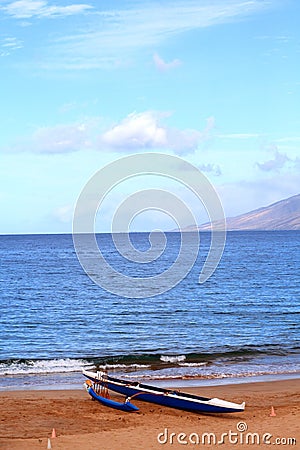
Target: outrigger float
x=100, y=393
x=160, y=396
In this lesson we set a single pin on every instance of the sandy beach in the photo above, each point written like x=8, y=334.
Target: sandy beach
x=28, y=419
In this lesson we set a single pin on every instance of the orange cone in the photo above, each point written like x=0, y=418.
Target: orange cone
x=53, y=433
x=273, y=414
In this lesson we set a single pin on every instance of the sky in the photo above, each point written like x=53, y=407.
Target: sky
x=214, y=82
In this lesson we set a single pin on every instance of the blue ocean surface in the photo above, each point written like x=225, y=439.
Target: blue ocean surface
x=243, y=321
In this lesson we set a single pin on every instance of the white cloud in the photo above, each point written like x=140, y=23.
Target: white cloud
x=144, y=130
x=9, y=44
x=214, y=169
x=136, y=132
x=57, y=139
x=275, y=163
x=164, y=66
x=116, y=35
x=26, y=9
x=61, y=139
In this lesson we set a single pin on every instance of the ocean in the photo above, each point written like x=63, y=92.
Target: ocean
x=243, y=322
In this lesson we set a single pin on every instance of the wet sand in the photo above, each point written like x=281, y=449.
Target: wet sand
x=27, y=419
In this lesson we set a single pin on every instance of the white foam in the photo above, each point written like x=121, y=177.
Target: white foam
x=186, y=364
x=173, y=359
x=42, y=366
x=124, y=366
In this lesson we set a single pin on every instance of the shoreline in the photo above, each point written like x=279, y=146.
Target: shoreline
x=61, y=381
x=28, y=418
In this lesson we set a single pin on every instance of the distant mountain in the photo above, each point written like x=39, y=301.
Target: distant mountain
x=282, y=215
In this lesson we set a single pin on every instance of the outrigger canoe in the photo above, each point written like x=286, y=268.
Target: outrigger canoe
x=125, y=406
x=164, y=397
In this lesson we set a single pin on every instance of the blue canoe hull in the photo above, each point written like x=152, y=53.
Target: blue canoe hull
x=165, y=397
x=126, y=406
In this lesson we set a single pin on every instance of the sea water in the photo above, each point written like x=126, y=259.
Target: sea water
x=242, y=322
